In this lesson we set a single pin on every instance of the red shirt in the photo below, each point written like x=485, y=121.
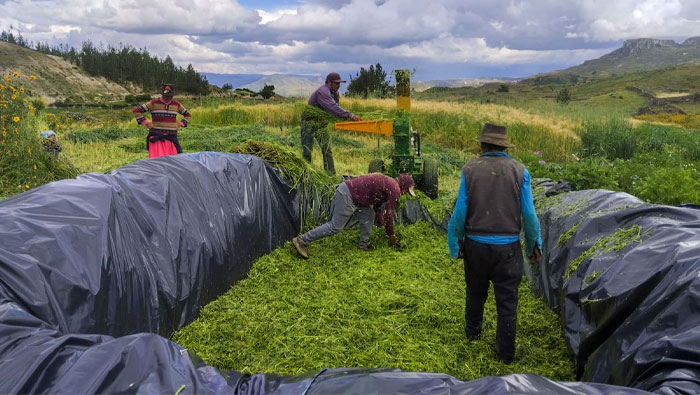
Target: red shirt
x=374, y=190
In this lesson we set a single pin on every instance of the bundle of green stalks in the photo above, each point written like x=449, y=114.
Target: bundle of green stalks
x=316, y=188
x=383, y=308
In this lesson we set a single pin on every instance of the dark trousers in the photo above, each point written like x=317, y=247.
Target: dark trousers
x=309, y=130
x=501, y=265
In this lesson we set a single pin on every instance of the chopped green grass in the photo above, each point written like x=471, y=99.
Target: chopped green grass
x=615, y=242
x=385, y=308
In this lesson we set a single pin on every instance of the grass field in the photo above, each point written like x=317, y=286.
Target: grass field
x=384, y=308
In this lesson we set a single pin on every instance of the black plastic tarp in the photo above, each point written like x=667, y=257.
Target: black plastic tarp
x=144, y=247
x=35, y=358
x=631, y=308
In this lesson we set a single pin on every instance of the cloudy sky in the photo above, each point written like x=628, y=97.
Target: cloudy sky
x=440, y=39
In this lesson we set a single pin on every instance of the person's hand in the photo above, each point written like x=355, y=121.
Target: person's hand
x=536, y=254
x=182, y=124
x=393, y=241
x=355, y=118
x=460, y=254
x=149, y=125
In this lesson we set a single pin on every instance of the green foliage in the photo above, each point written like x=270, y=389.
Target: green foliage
x=38, y=103
x=370, y=82
x=104, y=134
x=564, y=96
x=383, y=308
x=227, y=87
x=267, y=91
x=503, y=88
x=610, y=139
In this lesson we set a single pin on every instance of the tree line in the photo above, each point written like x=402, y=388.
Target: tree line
x=121, y=64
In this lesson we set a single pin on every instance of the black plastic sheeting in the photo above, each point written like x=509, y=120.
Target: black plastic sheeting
x=88, y=265
x=143, y=248
x=631, y=314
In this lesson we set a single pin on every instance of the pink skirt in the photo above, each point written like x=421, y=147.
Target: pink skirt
x=161, y=148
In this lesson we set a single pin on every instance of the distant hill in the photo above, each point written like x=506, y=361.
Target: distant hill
x=285, y=85
x=420, y=86
x=57, y=79
x=642, y=54
x=236, y=80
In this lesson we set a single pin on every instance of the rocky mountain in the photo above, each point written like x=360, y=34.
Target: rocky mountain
x=56, y=79
x=634, y=56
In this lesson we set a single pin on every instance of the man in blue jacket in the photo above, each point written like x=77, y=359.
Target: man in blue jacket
x=326, y=98
x=494, y=202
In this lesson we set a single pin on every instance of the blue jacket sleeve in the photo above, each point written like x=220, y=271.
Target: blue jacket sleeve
x=531, y=224
x=455, y=228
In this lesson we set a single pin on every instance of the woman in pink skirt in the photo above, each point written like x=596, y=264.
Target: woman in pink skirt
x=162, y=129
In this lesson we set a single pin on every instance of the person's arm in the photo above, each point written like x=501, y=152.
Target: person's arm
x=455, y=228
x=139, y=112
x=186, y=116
x=326, y=101
x=531, y=224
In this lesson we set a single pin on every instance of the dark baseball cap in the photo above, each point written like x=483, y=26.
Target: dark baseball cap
x=334, y=77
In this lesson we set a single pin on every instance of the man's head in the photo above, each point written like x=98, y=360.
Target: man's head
x=493, y=138
x=167, y=91
x=334, y=80
x=49, y=135
x=406, y=183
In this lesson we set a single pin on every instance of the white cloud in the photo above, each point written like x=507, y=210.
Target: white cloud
x=266, y=17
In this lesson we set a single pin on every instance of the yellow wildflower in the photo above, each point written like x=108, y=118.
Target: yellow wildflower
x=32, y=77
x=29, y=150
x=31, y=108
x=4, y=132
x=2, y=87
x=8, y=79
x=12, y=88
x=15, y=119
x=16, y=73
x=35, y=167
x=26, y=186
x=13, y=96
x=16, y=131
x=21, y=90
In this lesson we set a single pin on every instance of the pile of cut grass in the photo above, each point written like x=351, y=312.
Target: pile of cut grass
x=385, y=308
x=316, y=187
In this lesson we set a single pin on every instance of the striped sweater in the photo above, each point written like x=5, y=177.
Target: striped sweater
x=163, y=115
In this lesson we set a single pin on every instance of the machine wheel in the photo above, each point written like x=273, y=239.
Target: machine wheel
x=376, y=166
x=430, y=178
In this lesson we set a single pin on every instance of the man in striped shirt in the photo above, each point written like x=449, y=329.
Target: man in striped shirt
x=162, y=129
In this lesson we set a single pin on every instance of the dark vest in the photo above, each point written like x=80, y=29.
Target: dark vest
x=493, y=196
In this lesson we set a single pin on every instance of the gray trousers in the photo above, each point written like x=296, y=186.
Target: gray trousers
x=344, y=214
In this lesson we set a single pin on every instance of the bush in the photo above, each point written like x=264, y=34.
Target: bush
x=24, y=163
x=564, y=96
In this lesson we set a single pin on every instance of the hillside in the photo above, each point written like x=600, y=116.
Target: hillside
x=57, y=79
x=285, y=86
x=634, y=56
